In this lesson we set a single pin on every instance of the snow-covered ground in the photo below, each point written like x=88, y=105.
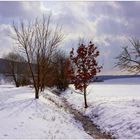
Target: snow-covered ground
x=21, y=116
x=114, y=105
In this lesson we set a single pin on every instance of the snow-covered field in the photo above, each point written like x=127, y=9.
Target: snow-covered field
x=21, y=116
x=114, y=105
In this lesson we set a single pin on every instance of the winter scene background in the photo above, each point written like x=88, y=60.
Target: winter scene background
x=69, y=70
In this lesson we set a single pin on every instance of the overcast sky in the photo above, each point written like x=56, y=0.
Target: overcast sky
x=107, y=24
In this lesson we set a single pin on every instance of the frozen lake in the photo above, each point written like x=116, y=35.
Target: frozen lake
x=115, y=88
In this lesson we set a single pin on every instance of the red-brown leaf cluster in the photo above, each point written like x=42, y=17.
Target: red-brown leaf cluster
x=83, y=66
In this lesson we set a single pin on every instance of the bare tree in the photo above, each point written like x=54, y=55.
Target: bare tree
x=14, y=66
x=129, y=59
x=38, y=40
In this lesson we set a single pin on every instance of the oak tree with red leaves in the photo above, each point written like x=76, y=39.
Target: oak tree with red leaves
x=84, y=66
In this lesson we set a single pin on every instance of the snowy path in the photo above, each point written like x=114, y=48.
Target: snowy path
x=21, y=116
x=86, y=122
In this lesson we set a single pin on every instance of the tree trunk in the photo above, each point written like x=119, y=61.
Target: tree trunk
x=85, y=98
x=33, y=76
x=15, y=80
x=36, y=93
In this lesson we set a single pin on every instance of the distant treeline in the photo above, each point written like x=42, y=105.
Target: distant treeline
x=4, y=63
x=108, y=77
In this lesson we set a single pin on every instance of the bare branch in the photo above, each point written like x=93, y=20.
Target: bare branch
x=129, y=59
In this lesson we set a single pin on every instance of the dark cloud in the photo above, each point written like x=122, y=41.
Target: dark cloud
x=125, y=9
x=115, y=18
x=129, y=9
x=11, y=9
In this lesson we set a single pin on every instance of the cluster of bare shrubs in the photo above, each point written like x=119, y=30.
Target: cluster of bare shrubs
x=18, y=69
x=58, y=70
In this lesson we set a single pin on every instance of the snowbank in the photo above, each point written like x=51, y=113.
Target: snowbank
x=114, y=106
x=21, y=116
